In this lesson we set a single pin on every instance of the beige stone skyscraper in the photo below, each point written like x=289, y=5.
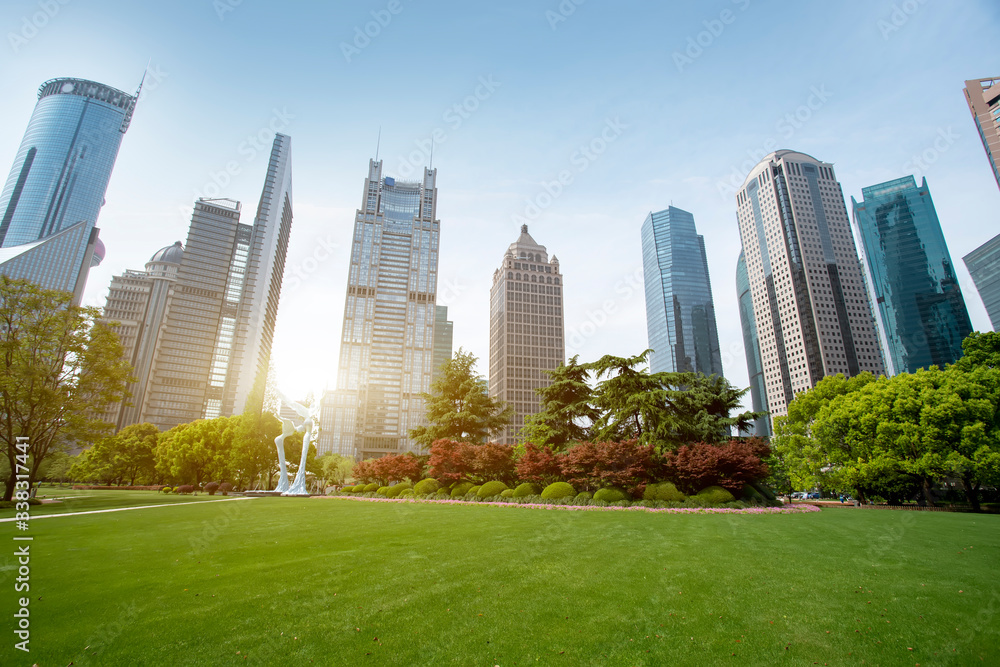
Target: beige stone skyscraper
x=983, y=96
x=810, y=306
x=526, y=328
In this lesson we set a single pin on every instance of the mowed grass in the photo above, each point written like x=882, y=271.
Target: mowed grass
x=74, y=500
x=341, y=582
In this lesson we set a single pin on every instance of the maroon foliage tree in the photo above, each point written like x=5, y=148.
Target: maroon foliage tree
x=364, y=471
x=538, y=465
x=732, y=465
x=397, y=468
x=493, y=462
x=595, y=465
x=451, y=461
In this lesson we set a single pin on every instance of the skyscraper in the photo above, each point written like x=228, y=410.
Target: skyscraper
x=919, y=309
x=526, y=328
x=216, y=342
x=751, y=347
x=60, y=175
x=680, y=314
x=810, y=307
x=387, y=344
x=984, y=266
x=443, y=339
x=983, y=97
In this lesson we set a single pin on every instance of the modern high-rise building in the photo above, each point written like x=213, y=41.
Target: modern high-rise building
x=387, y=344
x=215, y=345
x=680, y=313
x=984, y=267
x=751, y=347
x=919, y=310
x=59, y=179
x=811, y=310
x=139, y=302
x=526, y=328
x=444, y=333
x=983, y=97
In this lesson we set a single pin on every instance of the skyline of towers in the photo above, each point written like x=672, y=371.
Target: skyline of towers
x=527, y=336
x=58, y=181
x=680, y=312
x=918, y=305
x=811, y=309
x=388, y=340
x=983, y=98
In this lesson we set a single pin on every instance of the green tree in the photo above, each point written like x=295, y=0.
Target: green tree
x=334, y=468
x=61, y=367
x=254, y=455
x=197, y=452
x=567, y=408
x=459, y=406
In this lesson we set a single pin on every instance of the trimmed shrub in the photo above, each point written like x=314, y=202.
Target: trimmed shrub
x=394, y=491
x=425, y=486
x=716, y=495
x=764, y=490
x=443, y=492
x=212, y=487
x=460, y=489
x=490, y=489
x=184, y=489
x=474, y=491
x=407, y=493
x=225, y=488
x=368, y=488
x=526, y=489
x=507, y=493
x=558, y=490
x=583, y=497
x=382, y=490
x=166, y=489
x=665, y=491
x=610, y=495
x=751, y=495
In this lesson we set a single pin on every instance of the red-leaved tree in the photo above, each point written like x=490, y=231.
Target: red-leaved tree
x=493, y=462
x=539, y=465
x=451, y=461
x=399, y=467
x=732, y=465
x=595, y=465
x=364, y=471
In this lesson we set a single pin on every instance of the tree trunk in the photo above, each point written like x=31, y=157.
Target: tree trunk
x=928, y=494
x=971, y=493
x=8, y=492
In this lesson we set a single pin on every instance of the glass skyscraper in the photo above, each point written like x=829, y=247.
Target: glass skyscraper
x=751, y=347
x=387, y=349
x=680, y=314
x=919, y=309
x=63, y=165
x=984, y=267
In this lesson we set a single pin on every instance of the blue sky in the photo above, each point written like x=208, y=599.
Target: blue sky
x=675, y=100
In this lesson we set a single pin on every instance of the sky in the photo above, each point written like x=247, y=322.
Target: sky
x=636, y=105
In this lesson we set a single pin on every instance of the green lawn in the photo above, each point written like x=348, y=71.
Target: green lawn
x=71, y=500
x=337, y=582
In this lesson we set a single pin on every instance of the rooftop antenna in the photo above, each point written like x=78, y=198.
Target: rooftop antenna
x=431, y=167
x=138, y=91
x=378, y=145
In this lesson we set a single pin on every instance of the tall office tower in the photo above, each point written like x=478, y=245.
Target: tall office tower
x=444, y=333
x=751, y=347
x=526, y=328
x=984, y=266
x=139, y=302
x=919, y=309
x=680, y=315
x=387, y=345
x=216, y=343
x=983, y=96
x=59, y=178
x=810, y=307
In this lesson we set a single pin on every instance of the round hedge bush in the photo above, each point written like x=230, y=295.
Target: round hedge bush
x=610, y=495
x=526, y=489
x=474, y=491
x=382, y=490
x=583, y=496
x=460, y=489
x=490, y=489
x=394, y=491
x=407, y=493
x=507, y=493
x=558, y=490
x=665, y=491
x=347, y=489
x=369, y=488
x=752, y=495
x=716, y=495
x=443, y=492
x=429, y=485
x=166, y=489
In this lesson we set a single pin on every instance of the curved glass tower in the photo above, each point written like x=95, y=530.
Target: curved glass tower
x=751, y=347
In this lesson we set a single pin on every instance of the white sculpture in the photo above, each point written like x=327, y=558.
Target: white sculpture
x=308, y=430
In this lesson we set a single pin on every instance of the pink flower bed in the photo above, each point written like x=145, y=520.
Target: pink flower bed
x=787, y=509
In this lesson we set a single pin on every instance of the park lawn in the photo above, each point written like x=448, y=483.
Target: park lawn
x=77, y=500
x=341, y=582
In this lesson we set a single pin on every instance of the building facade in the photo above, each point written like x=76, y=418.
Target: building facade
x=984, y=267
x=215, y=345
x=680, y=313
x=444, y=333
x=527, y=335
x=751, y=347
x=983, y=97
x=387, y=349
x=919, y=310
x=810, y=306
x=61, y=173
